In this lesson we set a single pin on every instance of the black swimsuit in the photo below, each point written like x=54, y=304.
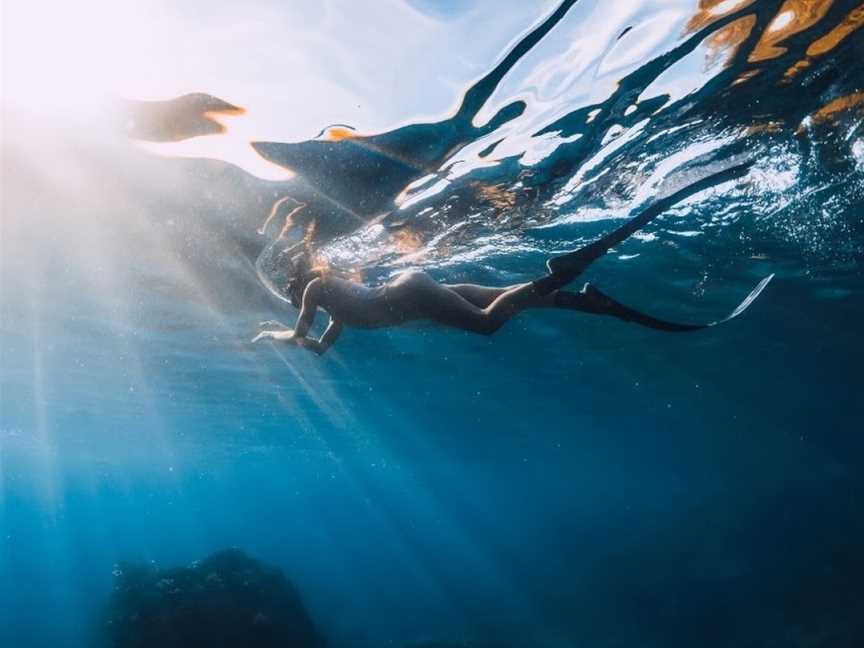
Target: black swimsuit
x=359, y=305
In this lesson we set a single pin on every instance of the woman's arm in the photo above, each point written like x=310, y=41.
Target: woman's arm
x=327, y=339
x=319, y=346
x=308, y=311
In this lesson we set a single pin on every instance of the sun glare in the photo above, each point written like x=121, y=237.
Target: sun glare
x=66, y=55
x=69, y=62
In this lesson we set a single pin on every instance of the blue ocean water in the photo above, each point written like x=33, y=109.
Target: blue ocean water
x=572, y=480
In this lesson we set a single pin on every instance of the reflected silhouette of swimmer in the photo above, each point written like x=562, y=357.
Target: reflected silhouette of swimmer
x=415, y=296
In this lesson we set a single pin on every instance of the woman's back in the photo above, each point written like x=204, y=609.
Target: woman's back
x=356, y=304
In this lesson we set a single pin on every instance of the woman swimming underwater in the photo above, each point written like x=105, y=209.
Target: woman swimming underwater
x=415, y=296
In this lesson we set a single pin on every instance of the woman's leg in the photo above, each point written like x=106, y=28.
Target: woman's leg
x=462, y=305
x=441, y=304
x=447, y=306
x=455, y=305
x=482, y=296
x=512, y=302
x=420, y=295
x=484, y=309
x=518, y=298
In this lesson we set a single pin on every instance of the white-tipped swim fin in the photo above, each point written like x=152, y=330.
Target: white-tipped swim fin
x=749, y=299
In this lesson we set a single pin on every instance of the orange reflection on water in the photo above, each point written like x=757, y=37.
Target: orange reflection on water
x=767, y=127
x=407, y=240
x=829, y=111
x=727, y=40
x=309, y=234
x=496, y=195
x=829, y=41
x=289, y=219
x=338, y=133
x=214, y=115
x=794, y=16
x=712, y=10
x=746, y=76
x=803, y=64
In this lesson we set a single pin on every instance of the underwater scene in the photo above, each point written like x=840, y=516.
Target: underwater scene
x=432, y=324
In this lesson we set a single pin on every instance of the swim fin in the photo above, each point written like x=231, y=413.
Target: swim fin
x=592, y=300
x=747, y=300
x=569, y=266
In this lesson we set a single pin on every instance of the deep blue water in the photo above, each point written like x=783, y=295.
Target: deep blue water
x=570, y=481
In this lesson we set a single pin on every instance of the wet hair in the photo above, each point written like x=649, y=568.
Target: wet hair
x=302, y=273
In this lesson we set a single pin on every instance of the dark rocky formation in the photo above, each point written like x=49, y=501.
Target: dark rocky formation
x=228, y=599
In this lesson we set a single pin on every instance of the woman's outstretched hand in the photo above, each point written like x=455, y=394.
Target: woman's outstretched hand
x=285, y=335
x=277, y=331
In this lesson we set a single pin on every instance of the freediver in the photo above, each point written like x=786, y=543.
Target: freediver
x=415, y=296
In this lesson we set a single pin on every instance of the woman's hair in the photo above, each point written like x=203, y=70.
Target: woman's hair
x=302, y=272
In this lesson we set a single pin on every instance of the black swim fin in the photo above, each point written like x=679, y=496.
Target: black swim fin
x=569, y=266
x=592, y=300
